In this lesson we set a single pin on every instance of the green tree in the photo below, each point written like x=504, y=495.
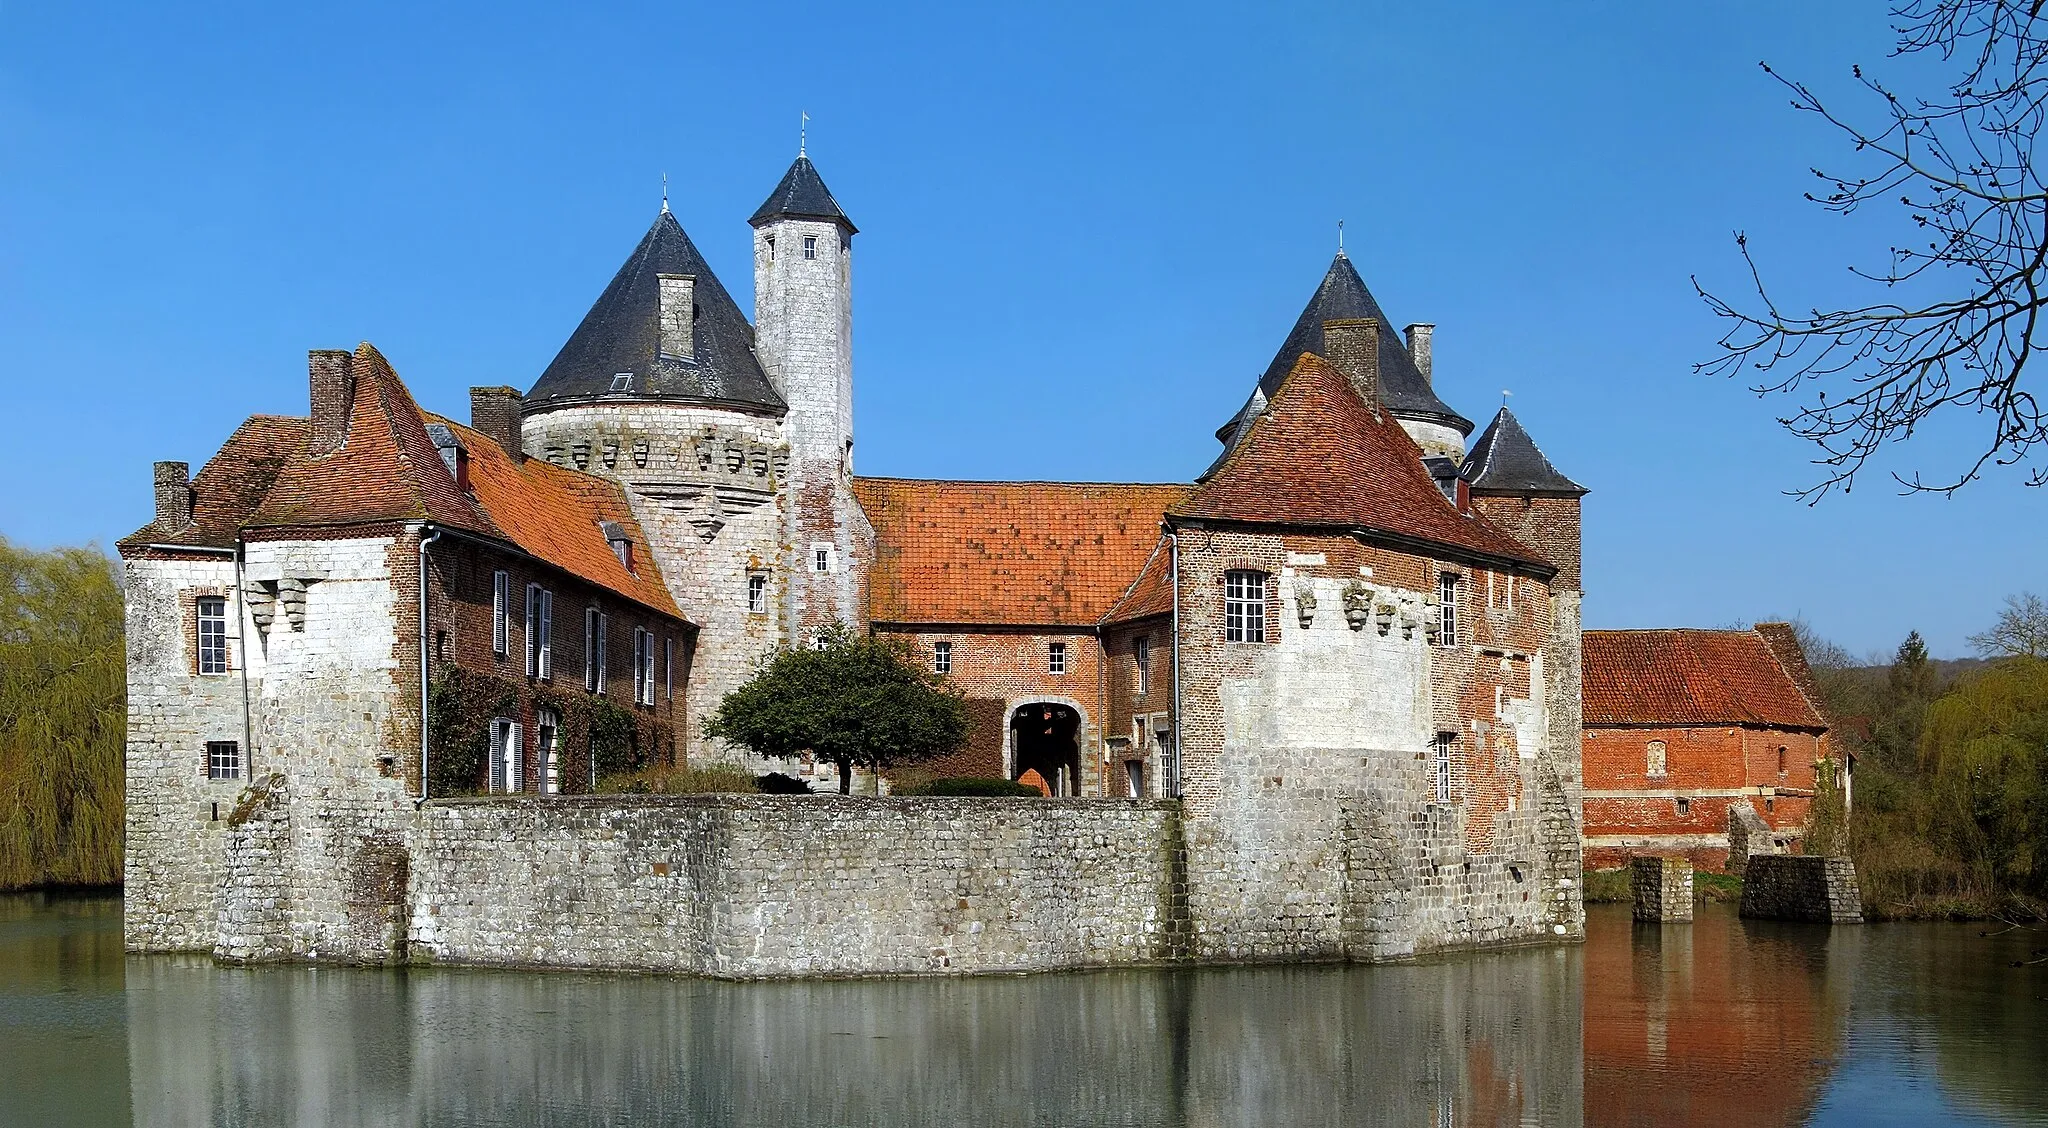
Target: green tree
x=854, y=701
x=1985, y=751
x=63, y=717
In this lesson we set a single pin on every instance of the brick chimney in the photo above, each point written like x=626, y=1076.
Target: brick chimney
x=334, y=399
x=173, y=496
x=1418, y=348
x=1353, y=346
x=678, y=316
x=495, y=413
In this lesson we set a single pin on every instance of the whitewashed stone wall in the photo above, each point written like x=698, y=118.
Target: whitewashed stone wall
x=709, y=488
x=176, y=816
x=1435, y=439
x=745, y=887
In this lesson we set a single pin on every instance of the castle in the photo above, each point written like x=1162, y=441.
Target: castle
x=1320, y=702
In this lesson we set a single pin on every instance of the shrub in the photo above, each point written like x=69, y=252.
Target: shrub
x=775, y=783
x=710, y=779
x=976, y=786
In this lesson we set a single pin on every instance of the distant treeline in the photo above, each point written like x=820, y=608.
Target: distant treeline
x=63, y=716
x=1951, y=787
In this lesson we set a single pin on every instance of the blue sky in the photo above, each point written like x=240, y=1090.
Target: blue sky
x=1084, y=231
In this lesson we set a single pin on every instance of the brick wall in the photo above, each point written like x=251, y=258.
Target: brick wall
x=1124, y=706
x=1550, y=525
x=1630, y=811
x=998, y=671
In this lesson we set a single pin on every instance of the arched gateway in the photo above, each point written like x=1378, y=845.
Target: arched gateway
x=1044, y=738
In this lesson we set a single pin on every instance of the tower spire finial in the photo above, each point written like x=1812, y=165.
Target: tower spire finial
x=664, y=193
x=1504, y=394
x=803, y=130
x=1340, y=238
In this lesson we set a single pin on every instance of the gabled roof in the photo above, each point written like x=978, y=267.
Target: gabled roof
x=1006, y=553
x=1505, y=460
x=621, y=335
x=1342, y=296
x=231, y=484
x=1151, y=593
x=1319, y=456
x=1690, y=677
x=801, y=194
x=387, y=469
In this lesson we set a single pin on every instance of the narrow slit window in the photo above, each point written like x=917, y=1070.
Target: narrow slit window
x=501, y=597
x=1447, y=608
x=668, y=669
x=213, y=634
x=1141, y=651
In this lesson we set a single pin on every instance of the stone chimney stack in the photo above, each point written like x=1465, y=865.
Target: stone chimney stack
x=173, y=496
x=495, y=413
x=1353, y=346
x=678, y=316
x=333, y=383
x=1418, y=348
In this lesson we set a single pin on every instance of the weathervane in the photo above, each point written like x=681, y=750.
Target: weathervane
x=1340, y=236
x=1504, y=394
x=664, y=193
x=803, y=130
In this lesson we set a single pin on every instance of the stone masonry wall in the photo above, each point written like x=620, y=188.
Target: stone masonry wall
x=1801, y=887
x=746, y=887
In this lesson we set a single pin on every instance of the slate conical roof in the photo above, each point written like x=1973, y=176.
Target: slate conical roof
x=1505, y=460
x=1342, y=296
x=621, y=335
x=801, y=195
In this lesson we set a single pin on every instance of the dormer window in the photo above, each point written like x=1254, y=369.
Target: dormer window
x=462, y=471
x=810, y=246
x=622, y=382
x=622, y=544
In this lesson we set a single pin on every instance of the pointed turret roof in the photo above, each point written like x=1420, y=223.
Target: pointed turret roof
x=801, y=194
x=621, y=335
x=1318, y=456
x=1506, y=460
x=1342, y=296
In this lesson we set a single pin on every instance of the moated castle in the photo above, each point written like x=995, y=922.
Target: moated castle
x=1322, y=702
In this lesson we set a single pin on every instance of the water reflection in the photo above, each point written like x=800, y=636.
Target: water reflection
x=1479, y=1042
x=1721, y=1021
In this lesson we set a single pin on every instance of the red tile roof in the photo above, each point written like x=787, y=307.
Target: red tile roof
x=1152, y=592
x=1690, y=677
x=231, y=484
x=388, y=469
x=1017, y=553
x=1320, y=456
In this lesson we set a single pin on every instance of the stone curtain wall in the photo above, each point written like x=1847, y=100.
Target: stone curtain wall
x=749, y=887
x=1801, y=887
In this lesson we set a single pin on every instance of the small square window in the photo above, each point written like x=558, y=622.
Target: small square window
x=810, y=246
x=1684, y=806
x=823, y=555
x=223, y=759
x=1056, y=658
x=942, y=657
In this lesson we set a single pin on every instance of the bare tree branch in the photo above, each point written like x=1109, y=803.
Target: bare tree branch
x=1960, y=167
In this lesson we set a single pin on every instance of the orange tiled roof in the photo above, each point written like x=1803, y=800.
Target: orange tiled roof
x=1319, y=456
x=1151, y=593
x=1020, y=553
x=232, y=483
x=552, y=512
x=1690, y=677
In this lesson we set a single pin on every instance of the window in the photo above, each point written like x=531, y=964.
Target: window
x=822, y=557
x=1447, y=609
x=1657, y=764
x=810, y=246
x=942, y=657
x=1684, y=806
x=213, y=634
x=540, y=629
x=770, y=240
x=1781, y=759
x=1770, y=805
x=1441, y=781
x=1134, y=778
x=593, y=650
x=1244, y=606
x=547, y=725
x=506, y=750
x=501, y=594
x=668, y=669
x=223, y=759
x=757, y=593
x=1138, y=731
x=1056, y=658
x=643, y=666
x=1142, y=651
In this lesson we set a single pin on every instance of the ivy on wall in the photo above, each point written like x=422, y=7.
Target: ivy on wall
x=597, y=737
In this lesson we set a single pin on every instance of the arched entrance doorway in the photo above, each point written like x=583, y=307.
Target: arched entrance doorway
x=1043, y=740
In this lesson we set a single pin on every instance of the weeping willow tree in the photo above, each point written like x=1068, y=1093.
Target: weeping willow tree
x=63, y=716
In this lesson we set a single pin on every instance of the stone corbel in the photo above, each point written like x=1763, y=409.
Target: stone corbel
x=1357, y=604
x=1385, y=614
x=579, y=454
x=611, y=454
x=291, y=599
x=1305, y=602
x=640, y=453
x=261, y=598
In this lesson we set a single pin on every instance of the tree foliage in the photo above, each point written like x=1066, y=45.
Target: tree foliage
x=1958, y=315
x=63, y=717
x=1985, y=750
x=853, y=701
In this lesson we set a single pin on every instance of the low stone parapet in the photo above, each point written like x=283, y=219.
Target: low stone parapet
x=1801, y=887
x=1662, y=889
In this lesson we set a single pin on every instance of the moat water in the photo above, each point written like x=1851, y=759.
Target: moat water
x=1720, y=1022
